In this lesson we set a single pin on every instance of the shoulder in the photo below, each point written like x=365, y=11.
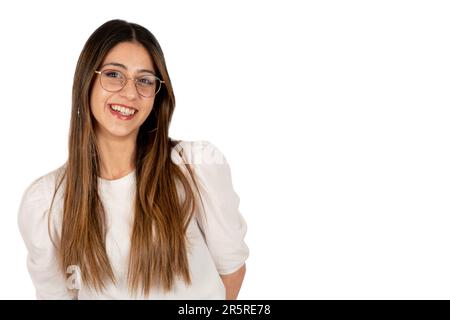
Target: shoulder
x=197, y=152
x=36, y=198
x=210, y=167
x=44, y=185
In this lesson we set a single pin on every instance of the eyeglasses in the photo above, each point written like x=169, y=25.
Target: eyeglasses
x=113, y=81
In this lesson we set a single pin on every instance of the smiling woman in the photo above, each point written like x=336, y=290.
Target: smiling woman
x=130, y=214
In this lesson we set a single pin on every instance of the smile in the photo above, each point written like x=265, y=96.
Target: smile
x=122, y=112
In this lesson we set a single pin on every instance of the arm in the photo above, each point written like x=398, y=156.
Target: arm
x=42, y=257
x=233, y=282
x=221, y=222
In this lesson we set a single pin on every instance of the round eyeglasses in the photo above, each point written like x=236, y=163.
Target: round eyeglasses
x=113, y=81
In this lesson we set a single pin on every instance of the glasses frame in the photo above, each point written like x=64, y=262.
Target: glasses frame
x=126, y=81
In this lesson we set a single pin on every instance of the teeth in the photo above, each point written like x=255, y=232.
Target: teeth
x=123, y=110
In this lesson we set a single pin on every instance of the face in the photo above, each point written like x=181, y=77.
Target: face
x=130, y=59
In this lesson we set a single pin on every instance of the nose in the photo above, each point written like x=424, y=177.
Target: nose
x=129, y=90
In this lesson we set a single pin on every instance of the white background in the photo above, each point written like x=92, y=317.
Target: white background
x=333, y=115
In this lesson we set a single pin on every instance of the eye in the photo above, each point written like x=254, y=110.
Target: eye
x=113, y=74
x=147, y=81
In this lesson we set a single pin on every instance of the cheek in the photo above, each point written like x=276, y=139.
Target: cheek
x=96, y=97
x=147, y=111
x=145, y=108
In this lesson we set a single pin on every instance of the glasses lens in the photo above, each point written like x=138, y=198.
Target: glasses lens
x=112, y=80
x=147, y=86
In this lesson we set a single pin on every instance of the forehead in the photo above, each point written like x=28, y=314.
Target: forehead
x=132, y=55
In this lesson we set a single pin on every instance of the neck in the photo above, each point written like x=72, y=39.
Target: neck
x=117, y=156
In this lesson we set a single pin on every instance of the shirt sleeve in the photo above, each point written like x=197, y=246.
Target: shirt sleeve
x=222, y=223
x=42, y=263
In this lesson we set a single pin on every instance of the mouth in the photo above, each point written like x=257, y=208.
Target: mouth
x=122, y=111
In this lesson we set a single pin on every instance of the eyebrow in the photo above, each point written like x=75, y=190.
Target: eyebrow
x=124, y=67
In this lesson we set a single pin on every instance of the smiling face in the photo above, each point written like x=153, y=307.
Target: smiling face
x=132, y=61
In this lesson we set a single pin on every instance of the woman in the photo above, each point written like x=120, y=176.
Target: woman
x=132, y=213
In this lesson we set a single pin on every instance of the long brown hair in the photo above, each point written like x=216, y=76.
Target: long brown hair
x=158, y=253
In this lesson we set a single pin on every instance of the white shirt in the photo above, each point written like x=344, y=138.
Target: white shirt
x=216, y=244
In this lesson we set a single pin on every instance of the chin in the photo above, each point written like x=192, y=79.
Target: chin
x=122, y=133
x=111, y=128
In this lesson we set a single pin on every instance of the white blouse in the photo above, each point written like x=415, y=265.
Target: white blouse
x=215, y=238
